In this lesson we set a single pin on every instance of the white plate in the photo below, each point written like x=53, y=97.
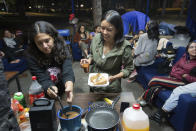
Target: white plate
x=104, y=85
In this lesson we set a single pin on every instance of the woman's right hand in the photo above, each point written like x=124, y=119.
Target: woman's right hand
x=82, y=61
x=52, y=92
x=15, y=61
x=1, y=54
x=79, y=43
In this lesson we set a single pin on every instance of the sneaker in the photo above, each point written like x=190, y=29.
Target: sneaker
x=130, y=81
x=132, y=77
x=157, y=117
x=133, y=74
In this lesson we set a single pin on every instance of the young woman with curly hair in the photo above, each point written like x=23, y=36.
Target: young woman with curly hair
x=50, y=61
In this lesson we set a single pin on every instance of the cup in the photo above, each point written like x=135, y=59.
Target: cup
x=73, y=124
x=85, y=66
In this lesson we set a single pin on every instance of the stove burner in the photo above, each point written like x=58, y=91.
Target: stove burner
x=84, y=128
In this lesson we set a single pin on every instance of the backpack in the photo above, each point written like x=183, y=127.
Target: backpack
x=168, y=54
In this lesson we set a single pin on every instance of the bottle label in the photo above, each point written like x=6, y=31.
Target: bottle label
x=33, y=97
x=40, y=95
x=20, y=97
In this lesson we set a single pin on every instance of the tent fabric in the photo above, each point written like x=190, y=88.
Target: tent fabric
x=191, y=19
x=134, y=19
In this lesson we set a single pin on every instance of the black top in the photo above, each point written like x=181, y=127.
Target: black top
x=11, y=53
x=43, y=76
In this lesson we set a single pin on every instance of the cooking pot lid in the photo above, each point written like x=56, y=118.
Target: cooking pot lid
x=41, y=102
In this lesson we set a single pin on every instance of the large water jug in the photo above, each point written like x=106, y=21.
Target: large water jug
x=135, y=119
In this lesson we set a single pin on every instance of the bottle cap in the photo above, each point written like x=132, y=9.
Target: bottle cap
x=20, y=107
x=136, y=106
x=18, y=93
x=22, y=117
x=18, y=96
x=34, y=77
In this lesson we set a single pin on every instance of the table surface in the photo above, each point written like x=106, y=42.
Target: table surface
x=82, y=99
x=10, y=74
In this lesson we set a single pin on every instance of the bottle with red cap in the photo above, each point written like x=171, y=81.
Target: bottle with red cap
x=35, y=90
x=135, y=119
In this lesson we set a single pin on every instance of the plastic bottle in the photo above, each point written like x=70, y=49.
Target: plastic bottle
x=20, y=97
x=24, y=122
x=14, y=106
x=35, y=90
x=135, y=119
x=24, y=115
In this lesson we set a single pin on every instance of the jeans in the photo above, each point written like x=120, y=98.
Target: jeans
x=172, y=101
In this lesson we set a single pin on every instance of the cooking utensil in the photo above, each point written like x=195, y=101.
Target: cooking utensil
x=59, y=100
x=70, y=106
x=103, y=118
x=72, y=124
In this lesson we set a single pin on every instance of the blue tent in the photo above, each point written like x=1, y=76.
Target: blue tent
x=134, y=19
x=191, y=19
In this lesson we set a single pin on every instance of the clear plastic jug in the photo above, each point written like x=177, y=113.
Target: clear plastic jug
x=135, y=119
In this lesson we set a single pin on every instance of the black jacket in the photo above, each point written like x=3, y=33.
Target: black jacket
x=8, y=121
x=11, y=53
x=43, y=76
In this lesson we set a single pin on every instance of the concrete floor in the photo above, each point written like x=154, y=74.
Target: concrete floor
x=82, y=87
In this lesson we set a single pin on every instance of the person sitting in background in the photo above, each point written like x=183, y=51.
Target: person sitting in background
x=9, y=39
x=109, y=51
x=172, y=101
x=82, y=38
x=50, y=61
x=146, y=49
x=97, y=29
x=179, y=75
x=20, y=39
x=135, y=39
x=11, y=48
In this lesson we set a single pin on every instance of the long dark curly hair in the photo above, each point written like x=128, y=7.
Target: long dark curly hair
x=59, y=52
x=153, y=30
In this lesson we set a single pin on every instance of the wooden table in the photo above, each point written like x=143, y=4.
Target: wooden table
x=10, y=75
x=82, y=99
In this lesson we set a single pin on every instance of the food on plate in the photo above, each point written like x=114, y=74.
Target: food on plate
x=98, y=79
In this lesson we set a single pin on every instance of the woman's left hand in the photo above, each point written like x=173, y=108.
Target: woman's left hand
x=184, y=75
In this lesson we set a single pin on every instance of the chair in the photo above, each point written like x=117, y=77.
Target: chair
x=75, y=49
x=11, y=75
x=65, y=33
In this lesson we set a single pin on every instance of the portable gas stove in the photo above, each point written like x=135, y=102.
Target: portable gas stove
x=85, y=128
